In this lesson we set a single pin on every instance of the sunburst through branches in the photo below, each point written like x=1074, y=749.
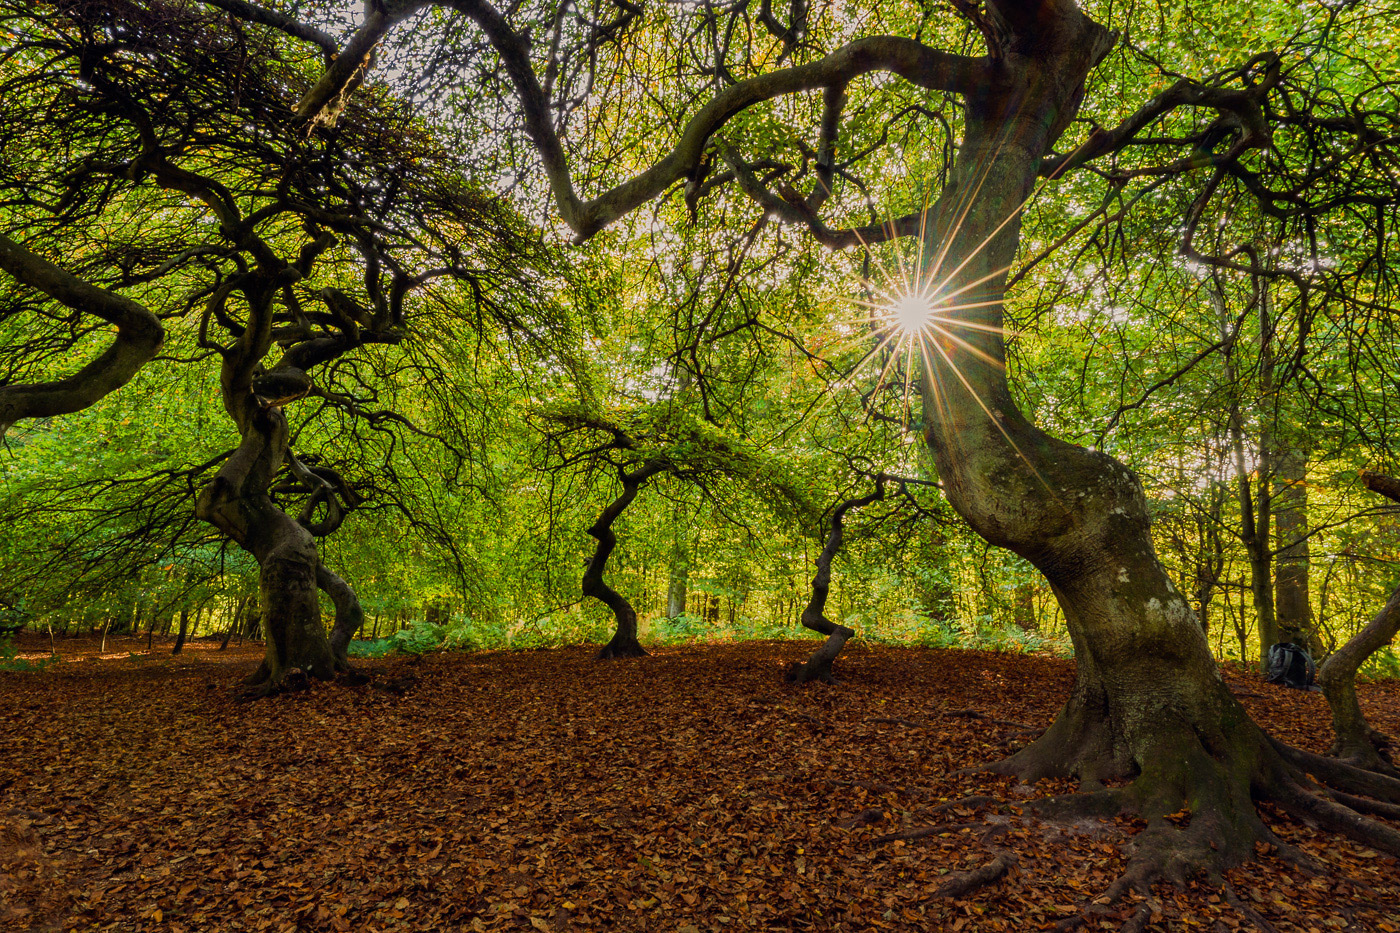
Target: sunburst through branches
x=926, y=307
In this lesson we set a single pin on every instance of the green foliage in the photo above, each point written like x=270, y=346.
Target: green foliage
x=681, y=628
x=466, y=634
x=1383, y=665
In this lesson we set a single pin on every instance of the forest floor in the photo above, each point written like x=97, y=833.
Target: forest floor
x=692, y=790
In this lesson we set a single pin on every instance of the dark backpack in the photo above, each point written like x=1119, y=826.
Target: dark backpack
x=1291, y=666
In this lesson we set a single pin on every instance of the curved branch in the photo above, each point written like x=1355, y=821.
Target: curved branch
x=139, y=338
x=322, y=104
x=911, y=60
x=1244, y=106
x=255, y=13
x=349, y=614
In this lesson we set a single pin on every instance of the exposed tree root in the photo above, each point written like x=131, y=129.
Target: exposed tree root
x=1307, y=806
x=259, y=677
x=1198, y=790
x=1366, y=805
x=977, y=714
x=1342, y=775
x=865, y=817
x=1372, y=751
x=398, y=686
x=261, y=685
x=1248, y=912
x=938, y=828
x=960, y=884
x=921, y=832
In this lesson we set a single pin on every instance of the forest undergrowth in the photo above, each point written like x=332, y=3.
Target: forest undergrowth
x=690, y=790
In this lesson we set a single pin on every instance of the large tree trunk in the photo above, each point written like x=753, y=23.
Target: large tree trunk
x=1148, y=701
x=238, y=504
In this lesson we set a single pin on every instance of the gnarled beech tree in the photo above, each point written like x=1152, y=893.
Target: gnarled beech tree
x=624, y=643
x=1148, y=704
x=154, y=147
x=818, y=665
x=659, y=442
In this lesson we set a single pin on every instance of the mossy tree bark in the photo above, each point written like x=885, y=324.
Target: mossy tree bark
x=1148, y=702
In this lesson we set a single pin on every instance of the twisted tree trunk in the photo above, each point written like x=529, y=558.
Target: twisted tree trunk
x=238, y=504
x=818, y=665
x=1148, y=701
x=1357, y=741
x=624, y=643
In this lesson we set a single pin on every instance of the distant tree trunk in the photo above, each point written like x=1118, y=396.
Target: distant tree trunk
x=937, y=593
x=1357, y=741
x=234, y=622
x=624, y=643
x=818, y=665
x=679, y=580
x=1210, y=562
x=1023, y=613
x=1295, y=622
x=251, y=623
x=184, y=631
x=1254, y=505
